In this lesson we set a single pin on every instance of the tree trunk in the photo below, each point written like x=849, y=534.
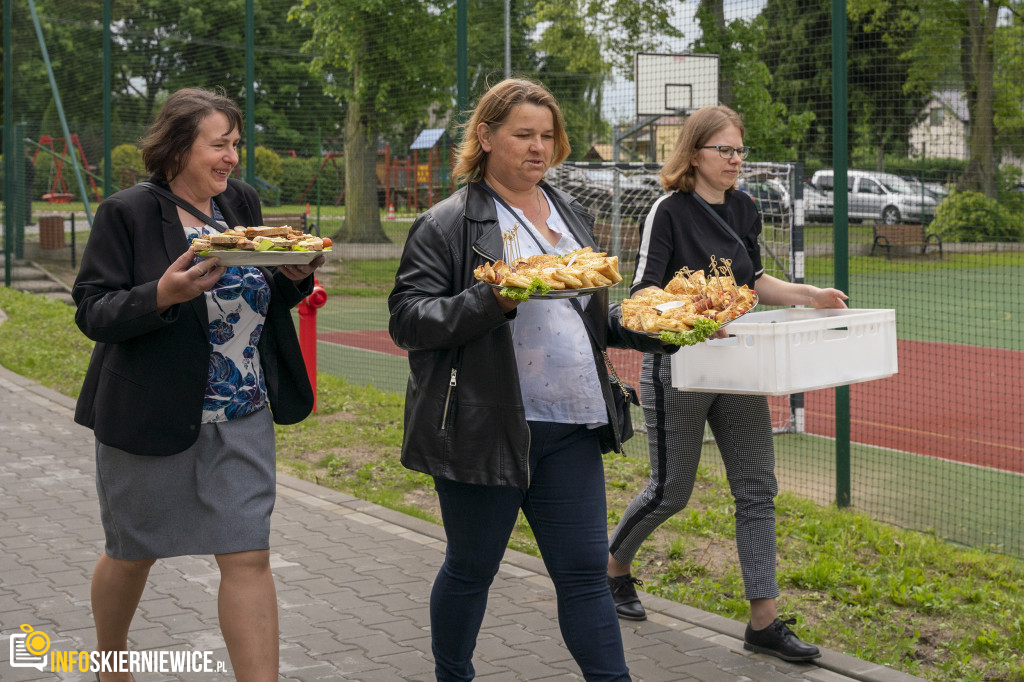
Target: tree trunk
x=362, y=215
x=982, y=164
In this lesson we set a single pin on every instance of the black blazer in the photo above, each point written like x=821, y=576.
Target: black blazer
x=144, y=388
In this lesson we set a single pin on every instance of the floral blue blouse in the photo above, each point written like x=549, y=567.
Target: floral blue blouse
x=237, y=307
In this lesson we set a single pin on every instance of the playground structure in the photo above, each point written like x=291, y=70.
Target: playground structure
x=58, y=192
x=412, y=184
x=413, y=180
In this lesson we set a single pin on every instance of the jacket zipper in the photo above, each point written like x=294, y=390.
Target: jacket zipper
x=448, y=397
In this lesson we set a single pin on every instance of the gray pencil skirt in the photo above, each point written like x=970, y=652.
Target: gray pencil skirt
x=213, y=498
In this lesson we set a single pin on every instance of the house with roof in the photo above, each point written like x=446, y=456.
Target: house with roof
x=941, y=129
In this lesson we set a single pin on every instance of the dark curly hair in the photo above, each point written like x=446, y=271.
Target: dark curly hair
x=166, y=147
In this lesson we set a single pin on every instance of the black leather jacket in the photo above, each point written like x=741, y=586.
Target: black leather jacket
x=464, y=415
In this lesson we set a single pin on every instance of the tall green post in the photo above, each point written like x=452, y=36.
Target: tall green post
x=840, y=161
x=8, y=140
x=461, y=61
x=108, y=183
x=250, y=93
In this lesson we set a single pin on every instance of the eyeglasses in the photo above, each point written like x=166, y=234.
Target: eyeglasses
x=726, y=152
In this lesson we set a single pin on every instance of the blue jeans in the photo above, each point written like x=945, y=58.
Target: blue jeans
x=565, y=506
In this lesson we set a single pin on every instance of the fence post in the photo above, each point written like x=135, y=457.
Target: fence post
x=840, y=220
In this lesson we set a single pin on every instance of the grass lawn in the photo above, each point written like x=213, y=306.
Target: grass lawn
x=899, y=598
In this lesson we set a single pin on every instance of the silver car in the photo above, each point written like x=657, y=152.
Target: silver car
x=883, y=197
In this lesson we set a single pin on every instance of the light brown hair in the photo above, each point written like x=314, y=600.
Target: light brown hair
x=679, y=173
x=494, y=108
x=168, y=143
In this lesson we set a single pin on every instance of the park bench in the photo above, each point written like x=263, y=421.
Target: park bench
x=888, y=236
x=299, y=221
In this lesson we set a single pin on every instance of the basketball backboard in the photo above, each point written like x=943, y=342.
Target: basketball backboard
x=667, y=84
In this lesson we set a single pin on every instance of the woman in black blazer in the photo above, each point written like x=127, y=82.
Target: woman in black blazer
x=189, y=355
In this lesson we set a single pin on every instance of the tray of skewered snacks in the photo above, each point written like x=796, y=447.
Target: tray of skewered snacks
x=551, y=276
x=691, y=307
x=261, y=245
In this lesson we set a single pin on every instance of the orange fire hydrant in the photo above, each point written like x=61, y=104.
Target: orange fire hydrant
x=307, y=331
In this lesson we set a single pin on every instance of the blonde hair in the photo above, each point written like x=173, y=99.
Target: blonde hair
x=494, y=108
x=679, y=173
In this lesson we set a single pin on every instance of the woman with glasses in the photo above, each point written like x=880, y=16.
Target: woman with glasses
x=701, y=216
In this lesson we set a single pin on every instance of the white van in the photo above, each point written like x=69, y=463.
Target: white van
x=883, y=197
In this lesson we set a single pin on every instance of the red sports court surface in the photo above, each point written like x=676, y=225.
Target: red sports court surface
x=944, y=402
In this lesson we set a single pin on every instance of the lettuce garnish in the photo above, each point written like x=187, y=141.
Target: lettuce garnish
x=702, y=329
x=537, y=286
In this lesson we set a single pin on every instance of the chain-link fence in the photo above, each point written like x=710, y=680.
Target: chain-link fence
x=354, y=108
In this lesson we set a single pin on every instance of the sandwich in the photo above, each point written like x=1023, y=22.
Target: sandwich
x=260, y=238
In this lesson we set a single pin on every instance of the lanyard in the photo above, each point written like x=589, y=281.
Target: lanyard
x=720, y=219
x=184, y=204
x=587, y=322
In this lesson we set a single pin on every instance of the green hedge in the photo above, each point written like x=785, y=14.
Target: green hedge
x=298, y=174
x=965, y=216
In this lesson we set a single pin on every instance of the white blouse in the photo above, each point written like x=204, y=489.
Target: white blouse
x=557, y=371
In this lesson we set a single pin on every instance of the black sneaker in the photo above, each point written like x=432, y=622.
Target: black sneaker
x=627, y=604
x=779, y=641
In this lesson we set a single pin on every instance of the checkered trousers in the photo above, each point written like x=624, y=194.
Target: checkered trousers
x=675, y=429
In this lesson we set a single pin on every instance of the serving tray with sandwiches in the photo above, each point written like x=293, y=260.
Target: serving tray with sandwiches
x=550, y=276
x=691, y=307
x=261, y=245
x=560, y=293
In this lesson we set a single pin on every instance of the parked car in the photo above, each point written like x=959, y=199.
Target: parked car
x=933, y=189
x=594, y=189
x=772, y=203
x=817, y=205
x=879, y=196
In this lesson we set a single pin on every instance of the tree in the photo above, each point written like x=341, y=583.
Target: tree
x=1009, y=104
x=382, y=59
x=711, y=16
x=797, y=51
x=582, y=43
x=885, y=102
x=744, y=83
x=979, y=84
x=969, y=28
x=78, y=81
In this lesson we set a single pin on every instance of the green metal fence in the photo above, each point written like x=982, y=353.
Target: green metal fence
x=922, y=99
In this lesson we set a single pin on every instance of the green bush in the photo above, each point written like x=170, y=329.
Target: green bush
x=126, y=166
x=44, y=170
x=268, y=172
x=966, y=216
x=300, y=174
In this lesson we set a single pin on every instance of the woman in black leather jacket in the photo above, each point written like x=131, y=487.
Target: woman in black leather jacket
x=508, y=407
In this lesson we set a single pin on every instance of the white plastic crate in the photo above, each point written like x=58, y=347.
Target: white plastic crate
x=792, y=350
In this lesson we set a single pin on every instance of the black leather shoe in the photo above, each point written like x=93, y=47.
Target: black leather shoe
x=779, y=641
x=627, y=604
